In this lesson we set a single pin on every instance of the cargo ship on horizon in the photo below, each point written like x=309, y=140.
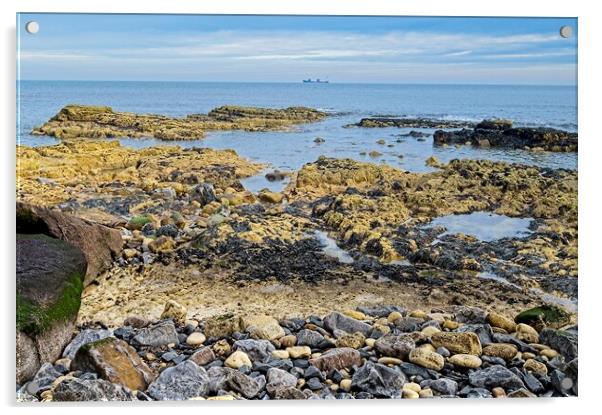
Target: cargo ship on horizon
x=317, y=81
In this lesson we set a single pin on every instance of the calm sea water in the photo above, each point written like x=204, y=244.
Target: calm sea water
x=551, y=106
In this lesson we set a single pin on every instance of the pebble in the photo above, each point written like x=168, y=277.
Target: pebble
x=498, y=392
x=502, y=322
x=389, y=361
x=370, y=342
x=468, y=361
x=426, y=393
x=196, y=339
x=238, y=359
x=410, y=394
x=467, y=342
x=358, y=315
x=345, y=385
x=288, y=341
x=298, y=352
x=429, y=331
x=280, y=354
x=427, y=359
x=504, y=350
x=532, y=365
x=412, y=386
x=549, y=353
x=418, y=314
x=527, y=333
x=394, y=316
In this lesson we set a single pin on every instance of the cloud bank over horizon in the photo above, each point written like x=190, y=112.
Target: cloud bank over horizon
x=288, y=49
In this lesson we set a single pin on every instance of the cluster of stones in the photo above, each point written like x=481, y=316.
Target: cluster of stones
x=378, y=352
x=87, y=121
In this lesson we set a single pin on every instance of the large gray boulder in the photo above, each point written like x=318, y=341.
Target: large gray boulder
x=50, y=275
x=181, y=382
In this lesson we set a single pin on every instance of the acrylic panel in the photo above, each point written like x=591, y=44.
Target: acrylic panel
x=222, y=207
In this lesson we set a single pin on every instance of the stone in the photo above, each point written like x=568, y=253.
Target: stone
x=429, y=331
x=99, y=244
x=195, y=339
x=394, y=316
x=174, y=311
x=427, y=359
x=381, y=310
x=549, y=353
x=337, y=321
x=257, y=350
x=466, y=343
x=504, y=350
x=564, y=342
x=281, y=354
x=544, y=316
x=378, y=380
x=532, y=365
x=314, y=384
x=395, y=345
x=238, y=359
x=203, y=356
x=442, y=386
x=479, y=393
x=498, y=392
x=299, y=352
x=501, y=321
x=161, y=244
x=43, y=379
x=389, y=361
x=270, y=197
x=426, y=393
x=84, y=337
x=262, y=327
x=527, y=333
x=181, y=382
x=521, y=393
x=339, y=358
x=278, y=378
x=288, y=341
x=409, y=324
x=222, y=326
x=468, y=361
x=49, y=281
x=160, y=334
x=221, y=378
x=309, y=338
x=85, y=390
x=355, y=340
x=345, y=385
x=221, y=347
x=410, y=394
x=495, y=376
x=114, y=360
x=135, y=322
x=288, y=393
x=412, y=386
x=484, y=332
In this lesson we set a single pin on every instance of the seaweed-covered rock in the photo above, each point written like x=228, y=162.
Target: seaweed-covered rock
x=544, y=316
x=50, y=275
x=102, y=122
x=99, y=244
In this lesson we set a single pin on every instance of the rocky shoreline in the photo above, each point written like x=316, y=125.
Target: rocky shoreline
x=381, y=351
x=174, y=247
x=496, y=133
x=102, y=122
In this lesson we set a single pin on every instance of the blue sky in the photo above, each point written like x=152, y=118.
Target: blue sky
x=291, y=48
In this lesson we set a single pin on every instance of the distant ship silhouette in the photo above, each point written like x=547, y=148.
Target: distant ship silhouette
x=317, y=81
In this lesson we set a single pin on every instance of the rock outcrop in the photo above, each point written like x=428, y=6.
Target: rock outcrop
x=499, y=133
x=50, y=276
x=88, y=121
x=99, y=244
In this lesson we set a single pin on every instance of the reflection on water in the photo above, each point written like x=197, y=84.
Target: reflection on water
x=330, y=247
x=485, y=226
x=258, y=182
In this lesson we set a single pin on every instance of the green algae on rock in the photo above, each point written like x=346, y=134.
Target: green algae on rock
x=85, y=121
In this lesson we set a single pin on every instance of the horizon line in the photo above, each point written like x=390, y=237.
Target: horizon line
x=297, y=82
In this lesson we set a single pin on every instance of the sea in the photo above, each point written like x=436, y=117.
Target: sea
x=532, y=106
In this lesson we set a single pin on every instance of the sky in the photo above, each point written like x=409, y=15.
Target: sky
x=446, y=50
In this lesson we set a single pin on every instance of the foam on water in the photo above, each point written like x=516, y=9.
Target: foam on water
x=330, y=247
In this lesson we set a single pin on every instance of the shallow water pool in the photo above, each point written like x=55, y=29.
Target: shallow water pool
x=485, y=226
